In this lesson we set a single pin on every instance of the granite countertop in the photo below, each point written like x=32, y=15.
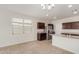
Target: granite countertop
x=68, y=36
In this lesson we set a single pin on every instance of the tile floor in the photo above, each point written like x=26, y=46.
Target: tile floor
x=34, y=47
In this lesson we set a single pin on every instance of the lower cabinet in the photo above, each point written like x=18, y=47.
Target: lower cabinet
x=67, y=43
x=41, y=36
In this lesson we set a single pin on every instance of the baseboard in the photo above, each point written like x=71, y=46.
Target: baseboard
x=64, y=49
x=11, y=44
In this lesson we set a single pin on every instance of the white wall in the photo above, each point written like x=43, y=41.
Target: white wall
x=6, y=37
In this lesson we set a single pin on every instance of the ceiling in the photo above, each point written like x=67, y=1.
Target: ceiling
x=60, y=11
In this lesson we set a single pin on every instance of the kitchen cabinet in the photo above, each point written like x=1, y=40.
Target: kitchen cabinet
x=65, y=42
x=50, y=31
x=67, y=25
x=75, y=25
x=41, y=36
x=40, y=25
x=71, y=25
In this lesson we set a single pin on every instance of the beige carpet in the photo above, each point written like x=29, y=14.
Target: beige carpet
x=35, y=47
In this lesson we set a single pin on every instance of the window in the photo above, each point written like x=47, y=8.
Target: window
x=20, y=26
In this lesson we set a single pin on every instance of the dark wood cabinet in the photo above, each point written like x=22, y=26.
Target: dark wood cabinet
x=75, y=25
x=41, y=36
x=50, y=26
x=67, y=25
x=71, y=25
x=40, y=25
x=50, y=31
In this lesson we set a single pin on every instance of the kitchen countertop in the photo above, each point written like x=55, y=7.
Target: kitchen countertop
x=67, y=36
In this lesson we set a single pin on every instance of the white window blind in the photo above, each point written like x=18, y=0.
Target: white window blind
x=21, y=26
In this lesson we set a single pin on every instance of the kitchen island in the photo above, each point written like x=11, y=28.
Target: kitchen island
x=67, y=42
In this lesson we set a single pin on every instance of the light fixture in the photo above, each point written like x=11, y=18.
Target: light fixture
x=75, y=11
x=46, y=14
x=55, y=17
x=47, y=6
x=42, y=5
x=69, y=6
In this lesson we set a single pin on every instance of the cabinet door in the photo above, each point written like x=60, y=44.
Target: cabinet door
x=67, y=25
x=41, y=36
x=50, y=26
x=40, y=25
x=75, y=25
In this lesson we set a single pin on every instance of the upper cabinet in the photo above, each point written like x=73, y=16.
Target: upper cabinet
x=75, y=25
x=40, y=25
x=71, y=25
x=50, y=26
x=67, y=25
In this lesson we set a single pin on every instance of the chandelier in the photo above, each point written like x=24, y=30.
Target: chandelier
x=47, y=6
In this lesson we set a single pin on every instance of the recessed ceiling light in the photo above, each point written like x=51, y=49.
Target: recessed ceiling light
x=43, y=6
x=54, y=17
x=69, y=6
x=49, y=7
x=75, y=12
x=52, y=5
x=46, y=14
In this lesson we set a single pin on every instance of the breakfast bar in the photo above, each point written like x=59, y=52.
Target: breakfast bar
x=66, y=41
